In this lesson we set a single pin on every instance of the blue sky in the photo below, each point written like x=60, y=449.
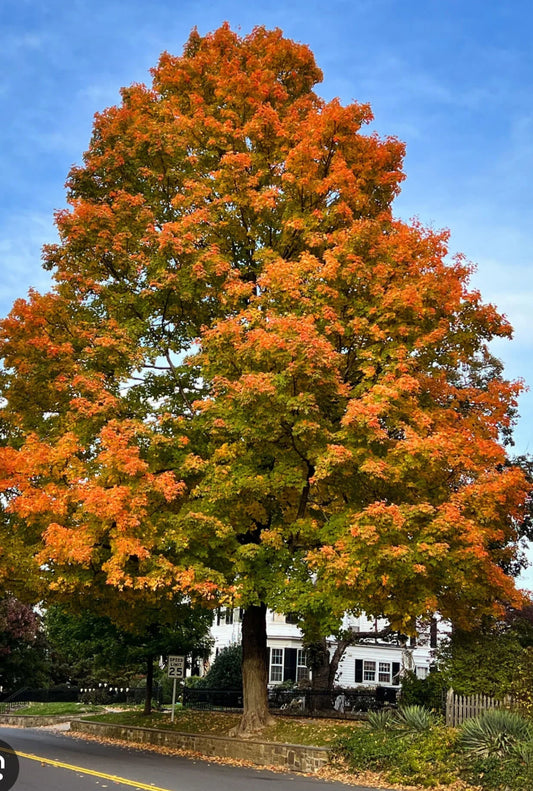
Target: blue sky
x=451, y=78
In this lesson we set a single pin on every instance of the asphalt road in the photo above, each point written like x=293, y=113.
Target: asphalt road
x=52, y=761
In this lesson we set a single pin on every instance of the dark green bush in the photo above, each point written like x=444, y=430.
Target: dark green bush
x=483, y=661
x=369, y=749
x=226, y=671
x=428, y=692
x=493, y=752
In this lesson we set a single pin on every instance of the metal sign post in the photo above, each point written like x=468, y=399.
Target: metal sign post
x=176, y=669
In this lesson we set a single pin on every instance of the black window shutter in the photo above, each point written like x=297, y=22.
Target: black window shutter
x=268, y=661
x=395, y=672
x=289, y=664
x=358, y=671
x=433, y=630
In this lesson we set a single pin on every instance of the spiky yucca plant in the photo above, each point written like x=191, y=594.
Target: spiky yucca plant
x=495, y=733
x=414, y=719
x=524, y=752
x=382, y=720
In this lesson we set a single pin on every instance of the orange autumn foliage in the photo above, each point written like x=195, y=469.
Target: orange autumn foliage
x=251, y=383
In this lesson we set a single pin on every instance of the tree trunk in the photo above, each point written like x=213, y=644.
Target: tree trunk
x=325, y=665
x=320, y=661
x=149, y=685
x=324, y=668
x=254, y=672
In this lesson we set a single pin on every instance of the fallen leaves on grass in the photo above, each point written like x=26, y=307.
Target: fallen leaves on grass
x=289, y=730
x=311, y=732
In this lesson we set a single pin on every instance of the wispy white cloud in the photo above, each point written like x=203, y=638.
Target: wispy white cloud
x=24, y=42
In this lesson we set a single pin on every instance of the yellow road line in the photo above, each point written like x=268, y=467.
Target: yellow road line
x=85, y=771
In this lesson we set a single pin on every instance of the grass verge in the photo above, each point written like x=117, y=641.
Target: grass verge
x=318, y=733
x=57, y=709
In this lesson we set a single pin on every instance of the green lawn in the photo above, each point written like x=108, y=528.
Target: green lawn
x=50, y=709
x=285, y=729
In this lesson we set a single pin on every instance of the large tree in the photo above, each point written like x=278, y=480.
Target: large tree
x=251, y=383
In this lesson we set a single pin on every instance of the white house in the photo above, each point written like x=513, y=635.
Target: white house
x=369, y=663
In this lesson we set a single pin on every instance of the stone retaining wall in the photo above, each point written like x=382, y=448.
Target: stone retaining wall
x=32, y=720
x=296, y=757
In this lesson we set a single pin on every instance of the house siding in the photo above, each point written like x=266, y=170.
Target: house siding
x=288, y=638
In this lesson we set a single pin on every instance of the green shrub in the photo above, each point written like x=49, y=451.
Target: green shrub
x=428, y=692
x=494, y=734
x=408, y=719
x=498, y=746
x=495, y=774
x=483, y=661
x=521, y=687
x=424, y=758
x=194, y=681
x=226, y=670
x=368, y=749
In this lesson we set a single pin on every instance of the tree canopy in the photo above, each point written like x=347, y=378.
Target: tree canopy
x=251, y=384
x=86, y=648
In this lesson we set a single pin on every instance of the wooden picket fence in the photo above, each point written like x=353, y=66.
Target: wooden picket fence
x=461, y=707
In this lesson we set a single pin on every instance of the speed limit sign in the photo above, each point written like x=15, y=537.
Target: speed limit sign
x=176, y=670
x=176, y=666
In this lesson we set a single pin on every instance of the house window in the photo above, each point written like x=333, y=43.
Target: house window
x=384, y=672
x=380, y=672
x=421, y=671
x=229, y=616
x=369, y=671
x=276, y=665
x=291, y=618
x=302, y=671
